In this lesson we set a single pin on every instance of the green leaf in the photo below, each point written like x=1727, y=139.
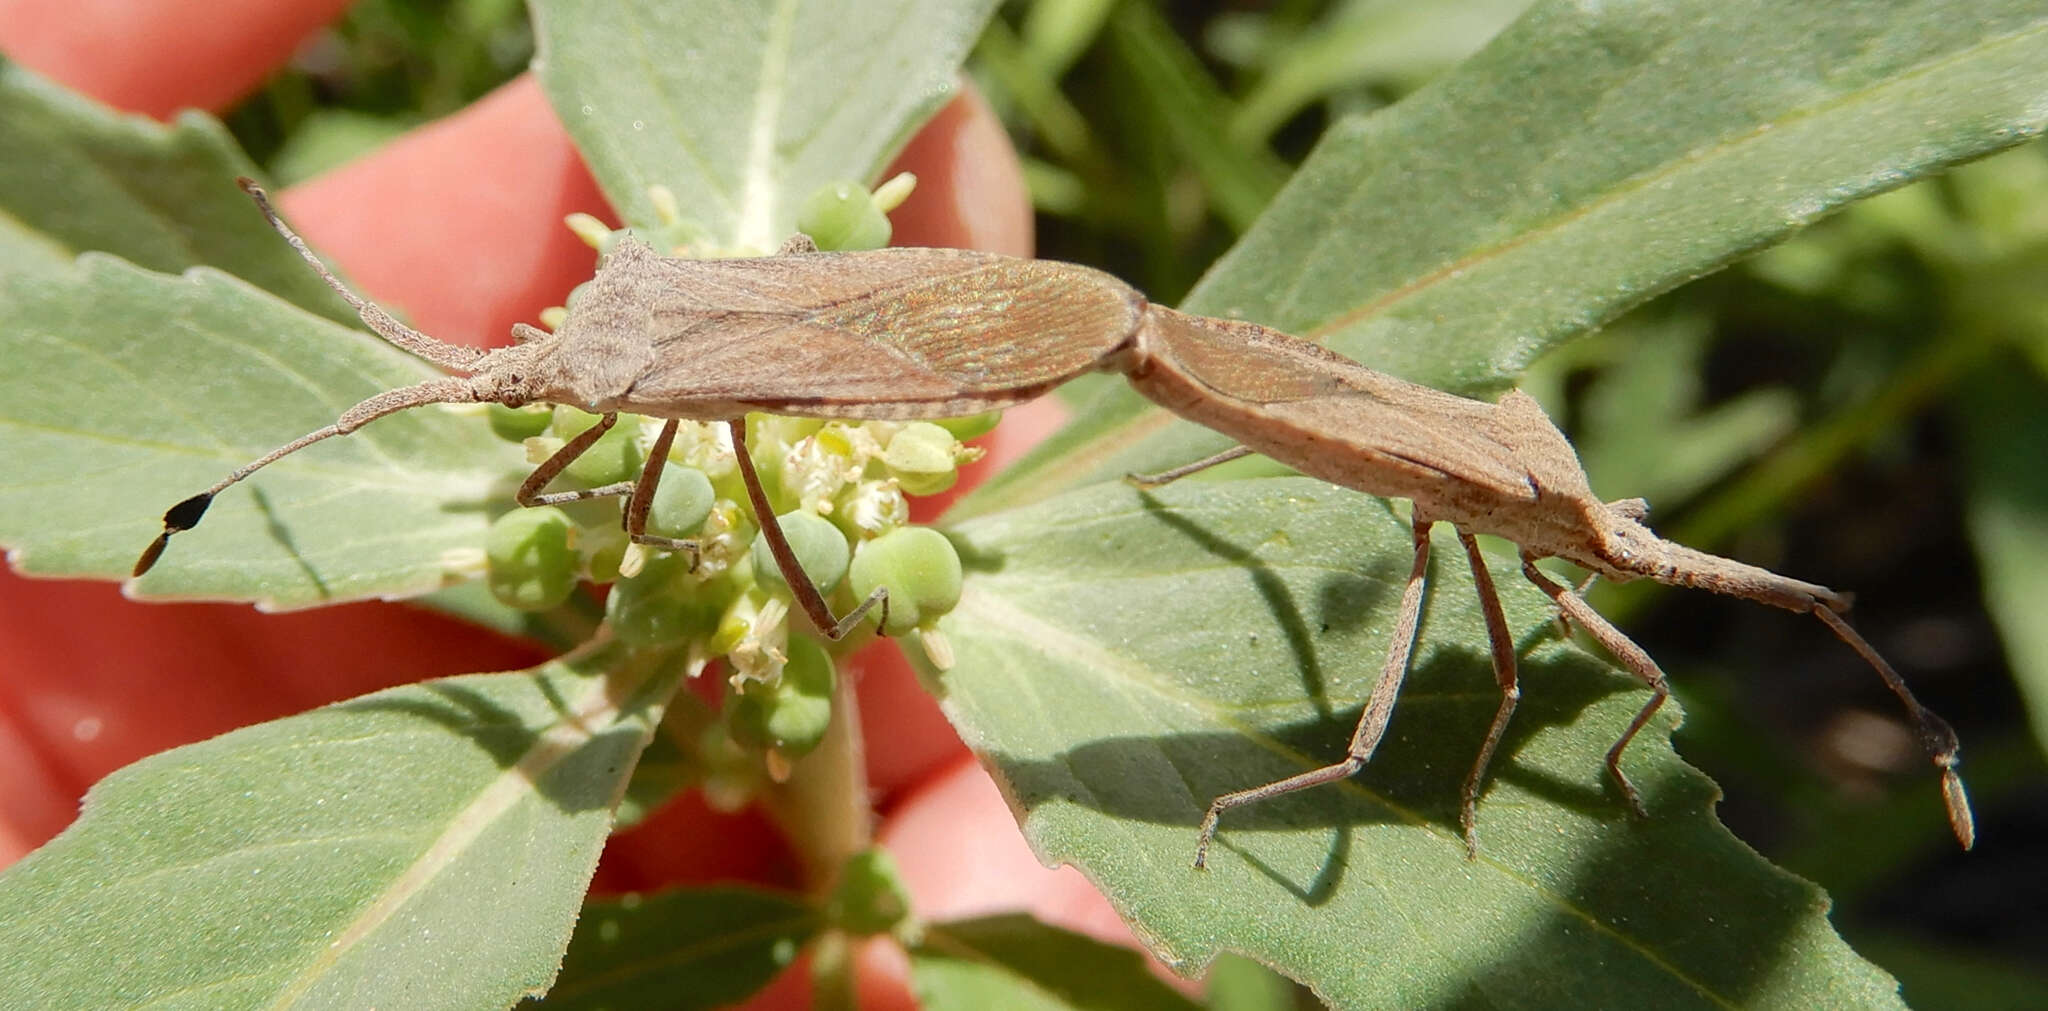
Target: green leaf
x=422, y=847
x=2003, y=415
x=688, y=948
x=80, y=176
x=167, y=384
x=561, y=628
x=1361, y=42
x=1588, y=158
x=1013, y=961
x=1641, y=425
x=1236, y=983
x=1175, y=91
x=1124, y=658
x=743, y=109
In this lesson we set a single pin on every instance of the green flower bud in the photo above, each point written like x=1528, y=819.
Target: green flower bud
x=921, y=457
x=616, y=455
x=518, y=424
x=970, y=426
x=819, y=547
x=870, y=897
x=681, y=503
x=791, y=714
x=529, y=563
x=921, y=570
x=662, y=605
x=842, y=215
x=604, y=551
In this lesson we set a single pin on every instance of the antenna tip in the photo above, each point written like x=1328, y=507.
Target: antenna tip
x=1958, y=802
x=183, y=516
x=151, y=554
x=187, y=514
x=248, y=185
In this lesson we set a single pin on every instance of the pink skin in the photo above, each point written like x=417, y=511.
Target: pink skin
x=90, y=681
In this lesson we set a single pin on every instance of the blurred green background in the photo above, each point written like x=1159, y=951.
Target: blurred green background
x=1865, y=406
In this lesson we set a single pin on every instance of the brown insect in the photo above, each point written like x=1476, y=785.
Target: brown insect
x=893, y=333
x=1501, y=469
x=920, y=333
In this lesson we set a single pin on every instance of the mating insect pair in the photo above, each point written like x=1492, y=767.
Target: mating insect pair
x=922, y=333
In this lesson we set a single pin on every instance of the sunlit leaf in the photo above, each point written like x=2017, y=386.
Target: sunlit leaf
x=742, y=109
x=1123, y=658
x=426, y=846
x=170, y=383
x=1588, y=158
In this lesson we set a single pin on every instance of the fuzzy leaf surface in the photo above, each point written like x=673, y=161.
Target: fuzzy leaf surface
x=1589, y=157
x=1014, y=961
x=421, y=847
x=81, y=176
x=1123, y=658
x=173, y=381
x=681, y=949
x=742, y=109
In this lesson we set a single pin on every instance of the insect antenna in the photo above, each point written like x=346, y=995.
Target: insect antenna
x=187, y=514
x=439, y=352
x=1936, y=736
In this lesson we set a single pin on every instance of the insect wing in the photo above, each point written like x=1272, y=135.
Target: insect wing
x=890, y=333
x=1324, y=398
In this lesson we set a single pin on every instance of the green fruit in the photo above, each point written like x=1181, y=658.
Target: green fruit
x=792, y=714
x=603, y=552
x=921, y=458
x=518, y=424
x=871, y=897
x=681, y=503
x=970, y=426
x=529, y=563
x=819, y=546
x=842, y=215
x=661, y=606
x=614, y=457
x=921, y=570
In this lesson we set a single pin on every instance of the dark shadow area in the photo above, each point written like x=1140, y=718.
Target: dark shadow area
x=283, y=536
x=1418, y=771
x=976, y=560
x=1342, y=598
x=498, y=731
x=578, y=779
x=1655, y=899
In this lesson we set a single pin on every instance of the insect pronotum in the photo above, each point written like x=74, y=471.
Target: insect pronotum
x=920, y=333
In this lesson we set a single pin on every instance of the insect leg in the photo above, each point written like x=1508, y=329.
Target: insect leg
x=1936, y=736
x=1504, y=672
x=1564, y=625
x=1622, y=648
x=1169, y=476
x=634, y=519
x=806, y=592
x=1372, y=724
x=529, y=490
